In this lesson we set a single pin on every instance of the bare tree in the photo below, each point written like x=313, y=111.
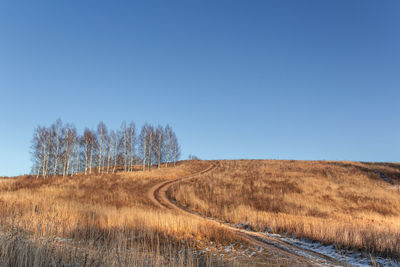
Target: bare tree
x=159, y=144
x=56, y=129
x=86, y=151
x=115, y=152
x=175, y=148
x=73, y=154
x=46, y=146
x=124, y=144
x=42, y=150
x=60, y=150
x=110, y=150
x=167, y=138
x=77, y=167
x=102, y=140
x=150, y=137
x=89, y=140
x=70, y=137
x=132, y=142
x=143, y=145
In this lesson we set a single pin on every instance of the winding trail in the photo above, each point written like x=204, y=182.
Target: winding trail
x=158, y=195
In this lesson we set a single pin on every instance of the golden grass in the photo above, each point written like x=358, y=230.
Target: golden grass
x=345, y=203
x=98, y=220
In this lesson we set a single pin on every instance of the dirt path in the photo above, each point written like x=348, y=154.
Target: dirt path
x=158, y=195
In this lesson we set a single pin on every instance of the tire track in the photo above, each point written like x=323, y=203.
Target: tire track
x=158, y=195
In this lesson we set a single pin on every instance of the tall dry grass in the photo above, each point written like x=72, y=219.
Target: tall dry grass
x=346, y=203
x=99, y=221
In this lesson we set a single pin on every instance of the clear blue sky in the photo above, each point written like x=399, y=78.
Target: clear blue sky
x=235, y=79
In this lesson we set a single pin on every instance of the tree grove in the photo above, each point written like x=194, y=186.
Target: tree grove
x=60, y=150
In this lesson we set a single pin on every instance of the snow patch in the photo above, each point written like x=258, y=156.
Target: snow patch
x=353, y=258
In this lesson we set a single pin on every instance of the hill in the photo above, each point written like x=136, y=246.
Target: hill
x=92, y=220
x=233, y=212
x=349, y=204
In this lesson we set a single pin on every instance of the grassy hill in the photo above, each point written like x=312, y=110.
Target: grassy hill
x=98, y=220
x=352, y=204
x=109, y=220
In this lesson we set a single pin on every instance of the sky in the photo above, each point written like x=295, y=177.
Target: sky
x=309, y=80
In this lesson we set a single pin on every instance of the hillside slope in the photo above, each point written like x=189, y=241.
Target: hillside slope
x=99, y=220
x=353, y=205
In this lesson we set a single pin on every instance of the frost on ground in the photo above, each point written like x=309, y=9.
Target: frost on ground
x=237, y=253
x=345, y=256
x=315, y=251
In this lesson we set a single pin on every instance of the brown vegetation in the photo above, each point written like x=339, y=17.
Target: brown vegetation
x=98, y=220
x=345, y=203
x=108, y=220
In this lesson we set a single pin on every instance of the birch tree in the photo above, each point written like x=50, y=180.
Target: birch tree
x=56, y=128
x=45, y=141
x=89, y=140
x=41, y=150
x=167, y=138
x=150, y=142
x=110, y=150
x=102, y=139
x=159, y=144
x=143, y=144
x=124, y=144
x=115, y=147
x=70, y=138
x=60, y=150
x=175, y=148
x=132, y=142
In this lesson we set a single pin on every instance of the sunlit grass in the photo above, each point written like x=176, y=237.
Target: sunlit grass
x=98, y=220
x=344, y=203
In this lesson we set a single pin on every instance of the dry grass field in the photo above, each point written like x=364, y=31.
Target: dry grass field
x=345, y=203
x=99, y=221
x=109, y=220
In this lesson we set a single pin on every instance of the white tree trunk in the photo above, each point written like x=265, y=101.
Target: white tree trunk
x=90, y=159
x=86, y=156
x=57, y=150
x=115, y=154
x=100, y=153
x=144, y=154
